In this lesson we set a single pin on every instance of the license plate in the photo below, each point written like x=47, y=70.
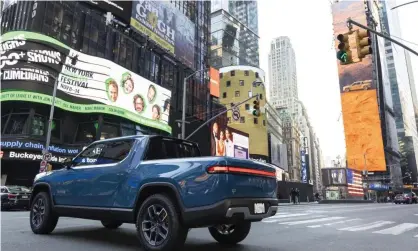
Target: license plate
x=24, y=197
x=259, y=208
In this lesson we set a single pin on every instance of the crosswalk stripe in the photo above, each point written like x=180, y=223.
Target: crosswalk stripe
x=339, y=222
x=416, y=236
x=286, y=216
x=291, y=223
x=366, y=226
x=399, y=229
x=314, y=226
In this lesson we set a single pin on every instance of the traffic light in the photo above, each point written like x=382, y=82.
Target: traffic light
x=363, y=43
x=256, y=108
x=344, y=53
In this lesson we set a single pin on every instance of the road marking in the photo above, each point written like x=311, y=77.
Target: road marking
x=366, y=226
x=314, y=226
x=269, y=220
x=291, y=223
x=286, y=216
x=343, y=221
x=399, y=229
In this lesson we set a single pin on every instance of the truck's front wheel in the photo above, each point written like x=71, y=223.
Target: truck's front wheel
x=230, y=234
x=158, y=224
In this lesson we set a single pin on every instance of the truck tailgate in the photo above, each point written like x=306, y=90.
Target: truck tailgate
x=247, y=178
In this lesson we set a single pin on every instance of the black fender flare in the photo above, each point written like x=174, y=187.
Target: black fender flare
x=42, y=184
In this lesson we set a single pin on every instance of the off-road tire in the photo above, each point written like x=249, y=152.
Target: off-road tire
x=111, y=224
x=177, y=233
x=240, y=232
x=49, y=220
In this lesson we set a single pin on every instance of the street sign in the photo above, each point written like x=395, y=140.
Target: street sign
x=43, y=166
x=235, y=115
x=47, y=157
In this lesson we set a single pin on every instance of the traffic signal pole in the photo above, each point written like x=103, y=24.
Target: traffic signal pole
x=350, y=22
x=223, y=112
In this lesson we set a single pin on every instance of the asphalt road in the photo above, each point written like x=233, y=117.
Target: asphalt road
x=369, y=227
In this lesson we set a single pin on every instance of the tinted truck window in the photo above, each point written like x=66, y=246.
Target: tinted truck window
x=104, y=153
x=162, y=148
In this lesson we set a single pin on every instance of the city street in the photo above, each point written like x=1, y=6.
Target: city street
x=296, y=227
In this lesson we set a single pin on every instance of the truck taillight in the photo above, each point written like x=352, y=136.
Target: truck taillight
x=11, y=196
x=240, y=170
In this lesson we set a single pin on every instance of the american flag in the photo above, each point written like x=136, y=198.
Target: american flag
x=355, y=183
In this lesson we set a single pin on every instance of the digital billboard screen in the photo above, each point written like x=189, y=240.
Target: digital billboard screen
x=89, y=84
x=167, y=26
x=226, y=141
x=362, y=124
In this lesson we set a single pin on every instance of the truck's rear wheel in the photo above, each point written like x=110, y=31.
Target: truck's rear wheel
x=158, y=224
x=230, y=234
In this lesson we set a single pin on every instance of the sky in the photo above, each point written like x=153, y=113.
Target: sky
x=308, y=23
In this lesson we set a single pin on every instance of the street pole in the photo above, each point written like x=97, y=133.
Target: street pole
x=403, y=4
x=51, y=116
x=350, y=22
x=183, y=115
x=223, y=112
x=366, y=176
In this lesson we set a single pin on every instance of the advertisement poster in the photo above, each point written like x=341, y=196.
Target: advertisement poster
x=360, y=112
x=214, y=82
x=167, y=26
x=303, y=169
x=338, y=177
x=31, y=62
x=226, y=141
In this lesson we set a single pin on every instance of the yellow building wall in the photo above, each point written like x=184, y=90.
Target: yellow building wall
x=258, y=142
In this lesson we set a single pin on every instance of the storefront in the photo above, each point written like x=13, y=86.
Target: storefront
x=20, y=159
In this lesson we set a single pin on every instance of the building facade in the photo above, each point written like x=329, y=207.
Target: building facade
x=282, y=76
x=292, y=139
x=236, y=85
x=76, y=44
x=403, y=93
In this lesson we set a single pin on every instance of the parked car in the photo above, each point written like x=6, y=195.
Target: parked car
x=15, y=197
x=161, y=185
x=406, y=198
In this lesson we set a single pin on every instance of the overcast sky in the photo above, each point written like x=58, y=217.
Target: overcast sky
x=308, y=23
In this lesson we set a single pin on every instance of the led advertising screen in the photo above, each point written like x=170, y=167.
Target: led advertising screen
x=31, y=62
x=226, y=141
x=167, y=26
x=362, y=124
x=120, y=9
x=334, y=176
x=214, y=82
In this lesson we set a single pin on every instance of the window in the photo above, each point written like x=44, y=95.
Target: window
x=246, y=73
x=165, y=148
x=127, y=129
x=38, y=125
x=261, y=96
x=256, y=75
x=232, y=73
x=109, y=131
x=16, y=124
x=241, y=82
x=255, y=120
x=86, y=132
x=229, y=120
x=224, y=95
x=228, y=83
x=264, y=123
x=221, y=75
x=104, y=153
x=247, y=107
x=236, y=93
x=242, y=119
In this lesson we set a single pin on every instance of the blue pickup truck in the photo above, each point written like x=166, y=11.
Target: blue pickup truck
x=160, y=184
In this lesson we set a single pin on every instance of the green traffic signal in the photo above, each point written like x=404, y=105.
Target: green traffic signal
x=342, y=56
x=343, y=49
x=256, y=107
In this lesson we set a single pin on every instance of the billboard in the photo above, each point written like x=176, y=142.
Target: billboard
x=304, y=166
x=362, y=125
x=167, y=26
x=31, y=62
x=334, y=176
x=226, y=141
x=278, y=153
x=214, y=82
x=120, y=9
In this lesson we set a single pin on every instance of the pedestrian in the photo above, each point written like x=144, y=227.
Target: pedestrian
x=293, y=195
x=298, y=195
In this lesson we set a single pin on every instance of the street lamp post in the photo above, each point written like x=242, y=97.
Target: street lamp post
x=183, y=117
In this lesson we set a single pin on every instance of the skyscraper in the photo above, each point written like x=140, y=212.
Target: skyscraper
x=282, y=76
x=234, y=28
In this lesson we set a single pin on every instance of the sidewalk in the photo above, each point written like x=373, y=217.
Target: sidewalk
x=291, y=204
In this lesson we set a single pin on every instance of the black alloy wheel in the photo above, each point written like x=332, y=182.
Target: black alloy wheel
x=42, y=218
x=230, y=234
x=158, y=224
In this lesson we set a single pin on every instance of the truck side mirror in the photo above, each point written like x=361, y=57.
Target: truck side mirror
x=68, y=162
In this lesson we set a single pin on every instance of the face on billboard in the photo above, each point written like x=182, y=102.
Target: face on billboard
x=226, y=141
x=362, y=125
x=91, y=84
